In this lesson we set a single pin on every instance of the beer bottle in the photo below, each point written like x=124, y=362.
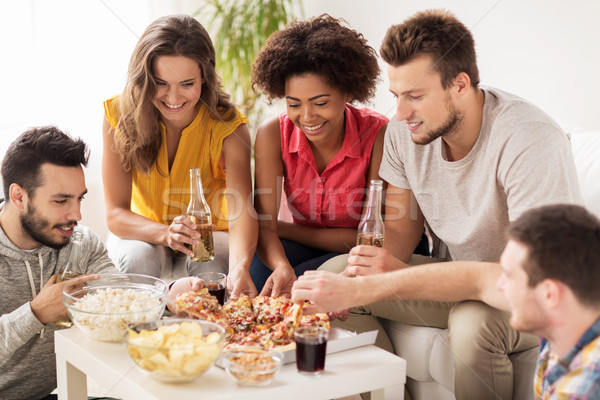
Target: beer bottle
x=370, y=228
x=199, y=213
x=70, y=270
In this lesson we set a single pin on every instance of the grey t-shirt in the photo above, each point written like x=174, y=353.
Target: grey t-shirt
x=522, y=159
x=27, y=360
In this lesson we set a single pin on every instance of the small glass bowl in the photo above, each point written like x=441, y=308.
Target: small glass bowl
x=175, y=349
x=102, y=308
x=251, y=368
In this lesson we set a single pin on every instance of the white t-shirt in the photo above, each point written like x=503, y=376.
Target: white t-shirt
x=522, y=159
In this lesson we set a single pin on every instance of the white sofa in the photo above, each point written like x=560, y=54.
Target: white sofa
x=430, y=371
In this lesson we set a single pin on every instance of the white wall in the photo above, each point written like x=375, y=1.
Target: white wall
x=62, y=58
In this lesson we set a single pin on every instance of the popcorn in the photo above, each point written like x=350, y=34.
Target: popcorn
x=105, y=313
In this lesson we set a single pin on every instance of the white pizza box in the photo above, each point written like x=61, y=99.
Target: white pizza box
x=339, y=340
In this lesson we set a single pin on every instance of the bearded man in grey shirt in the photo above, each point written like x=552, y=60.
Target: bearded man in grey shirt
x=465, y=161
x=44, y=185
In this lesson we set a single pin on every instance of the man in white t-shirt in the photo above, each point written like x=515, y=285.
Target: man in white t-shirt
x=465, y=161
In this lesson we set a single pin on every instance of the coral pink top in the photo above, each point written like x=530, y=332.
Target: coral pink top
x=333, y=199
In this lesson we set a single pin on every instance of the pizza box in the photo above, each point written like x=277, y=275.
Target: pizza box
x=339, y=340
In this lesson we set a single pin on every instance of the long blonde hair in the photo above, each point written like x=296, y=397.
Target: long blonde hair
x=139, y=137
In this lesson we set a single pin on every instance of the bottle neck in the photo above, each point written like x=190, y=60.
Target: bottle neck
x=374, y=202
x=198, y=206
x=75, y=245
x=196, y=189
x=72, y=266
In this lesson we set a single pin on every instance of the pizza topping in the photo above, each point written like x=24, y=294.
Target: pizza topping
x=263, y=322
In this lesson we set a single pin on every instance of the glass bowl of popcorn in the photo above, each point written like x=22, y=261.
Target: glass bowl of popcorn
x=252, y=368
x=104, y=307
x=175, y=349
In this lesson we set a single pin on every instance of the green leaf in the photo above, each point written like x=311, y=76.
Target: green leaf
x=239, y=30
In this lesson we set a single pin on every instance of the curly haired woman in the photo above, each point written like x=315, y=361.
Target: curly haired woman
x=173, y=116
x=325, y=149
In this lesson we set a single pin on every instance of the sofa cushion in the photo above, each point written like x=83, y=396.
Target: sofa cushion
x=415, y=344
x=429, y=359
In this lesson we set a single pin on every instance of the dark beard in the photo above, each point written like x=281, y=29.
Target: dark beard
x=448, y=127
x=33, y=224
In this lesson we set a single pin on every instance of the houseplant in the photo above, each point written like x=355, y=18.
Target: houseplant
x=239, y=29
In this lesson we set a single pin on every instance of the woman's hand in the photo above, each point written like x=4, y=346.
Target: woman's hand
x=182, y=231
x=280, y=282
x=239, y=282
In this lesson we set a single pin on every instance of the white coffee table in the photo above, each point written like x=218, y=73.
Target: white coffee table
x=362, y=369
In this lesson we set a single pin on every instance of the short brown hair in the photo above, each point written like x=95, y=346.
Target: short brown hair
x=439, y=35
x=36, y=146
x=323, y=46
x=564, y=244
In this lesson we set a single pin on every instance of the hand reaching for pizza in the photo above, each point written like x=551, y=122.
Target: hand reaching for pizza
x=239, y=282
x=328, y=292
x=280, y=283
x=182, y=285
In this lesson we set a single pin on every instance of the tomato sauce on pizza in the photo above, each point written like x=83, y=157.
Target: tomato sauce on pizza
x=259, y=324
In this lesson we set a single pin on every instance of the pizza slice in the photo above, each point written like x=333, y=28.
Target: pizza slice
x=283, y=332
x=239, y=313
x=247, y=340
x=320, y=319
x=270, y=310
x=202, y=305
x=264, y=323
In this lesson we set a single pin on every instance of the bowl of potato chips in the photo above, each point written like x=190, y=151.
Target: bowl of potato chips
x=175, y=349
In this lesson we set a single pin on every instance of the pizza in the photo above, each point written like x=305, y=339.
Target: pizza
x=316, y=320
x=270, y=310
x=239, y=313
x=257, y=324
x=202, y=305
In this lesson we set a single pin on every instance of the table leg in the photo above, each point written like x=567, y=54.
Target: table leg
x=378, y=394
x=72, y=383
x=390, y=393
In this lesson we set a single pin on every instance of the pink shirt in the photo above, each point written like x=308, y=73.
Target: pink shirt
x=333, y=199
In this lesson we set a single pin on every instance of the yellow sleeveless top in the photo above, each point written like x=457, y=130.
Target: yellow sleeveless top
x=163, y=196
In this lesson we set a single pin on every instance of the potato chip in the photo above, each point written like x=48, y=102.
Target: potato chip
x=174, y=351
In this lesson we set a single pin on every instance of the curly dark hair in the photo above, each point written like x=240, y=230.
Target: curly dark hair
x=323, y=46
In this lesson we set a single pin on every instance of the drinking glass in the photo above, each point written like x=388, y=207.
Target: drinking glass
x=216, y=283
x=311, y=347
